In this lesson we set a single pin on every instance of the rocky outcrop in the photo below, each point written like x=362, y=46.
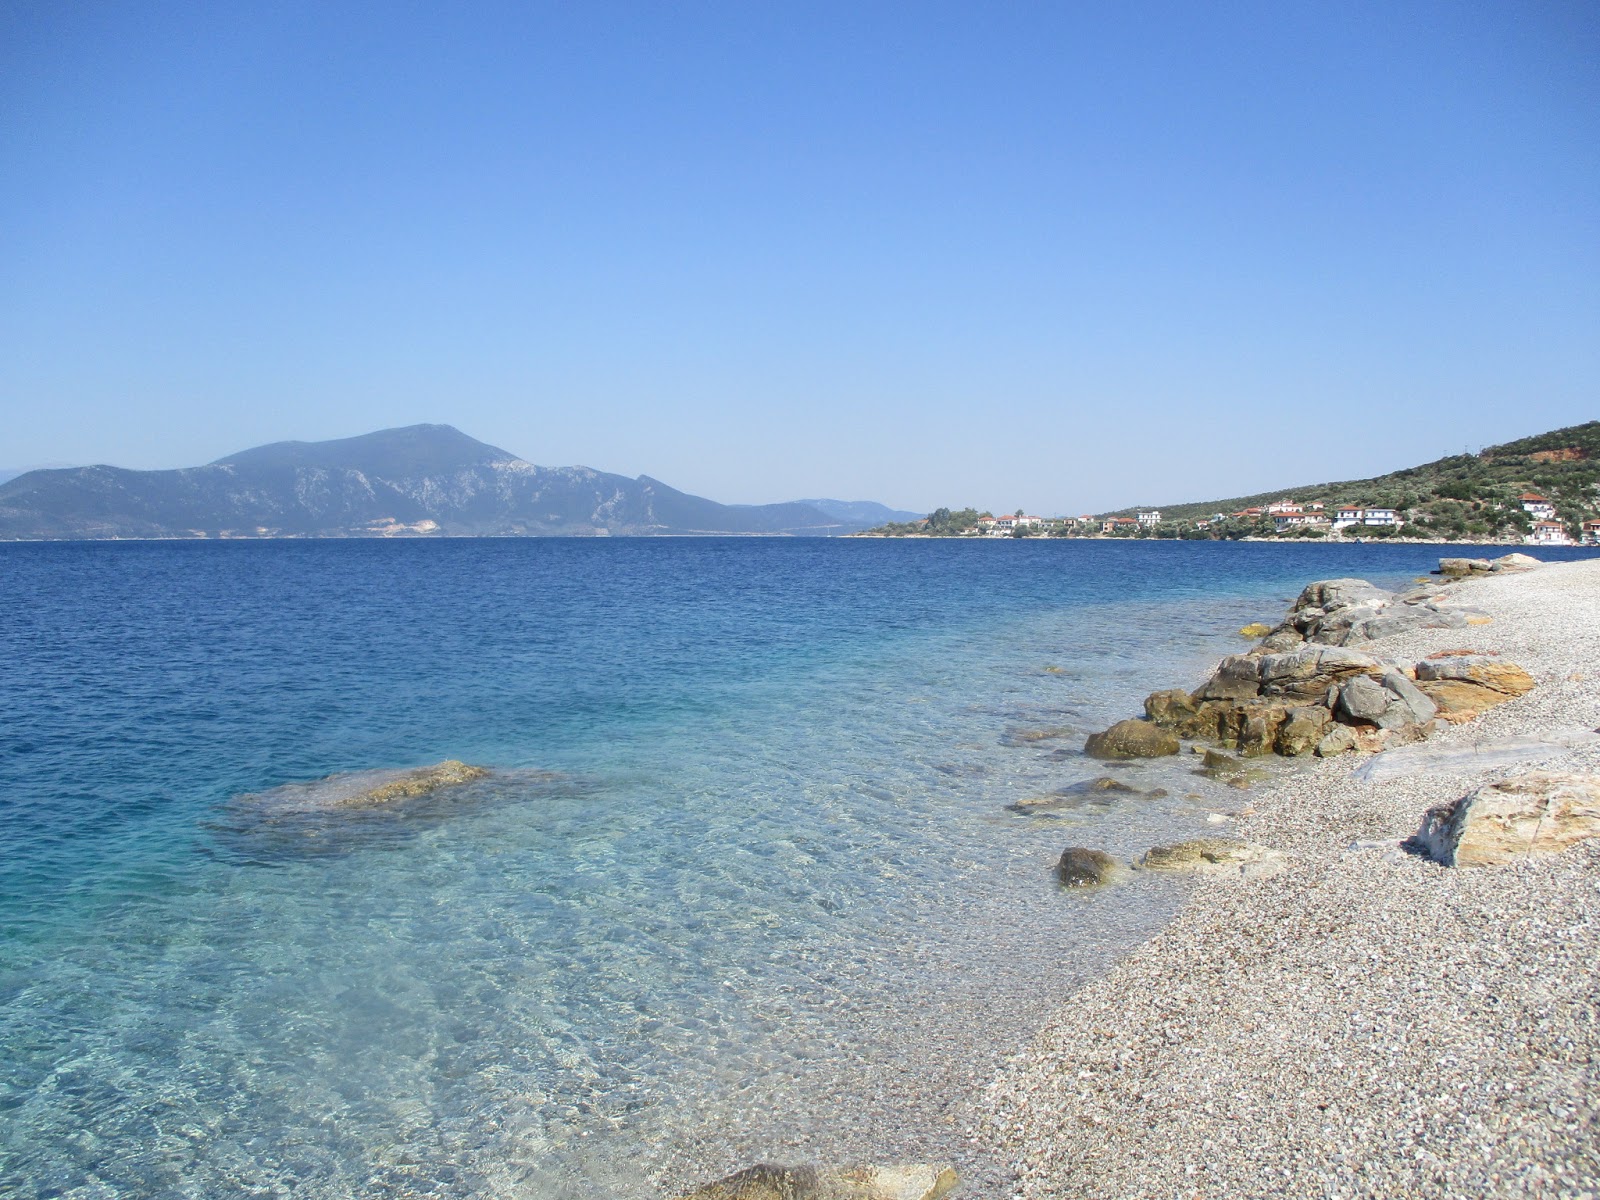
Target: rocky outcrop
x=1460, y=568
x=1463, y=685
x=1081, y=867
x=1536, y=813
x=916, y=1181
x=1227, y=857
x=1303, y=690
x=1132, y=739
x=1342, y=612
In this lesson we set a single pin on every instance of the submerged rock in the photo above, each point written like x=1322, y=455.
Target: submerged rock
x=1255, y=629
x=1537, y=813
x=1081, y=867
x=914, y=1181
x=1095, y=792
x=366, y=789
x=1217, y=856
x=1131, y=739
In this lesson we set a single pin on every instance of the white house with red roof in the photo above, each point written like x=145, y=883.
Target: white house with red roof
x=1550, y=533
x=1537, y=506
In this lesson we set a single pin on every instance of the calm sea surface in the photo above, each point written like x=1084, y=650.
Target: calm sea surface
x=743, y=883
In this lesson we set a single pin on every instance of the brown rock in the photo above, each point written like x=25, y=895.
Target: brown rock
x=419, y=782
x=1080, y=867
x=917, y=1181
x=1131, y=739
x=1303, y=731
x=1216, y=856
x=1537, y=813
x=1337, y=740
x=1169, y=708
x=1464, y=685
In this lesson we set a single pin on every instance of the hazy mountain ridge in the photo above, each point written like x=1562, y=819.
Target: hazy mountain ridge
x=421, y=480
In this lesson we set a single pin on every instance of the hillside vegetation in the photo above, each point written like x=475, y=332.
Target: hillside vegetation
x=1462, y=497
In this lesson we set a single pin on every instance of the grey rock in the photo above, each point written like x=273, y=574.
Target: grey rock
x=1418, y=708
x=1336, y=741
x=1421, y=759
x=1237, y=677
x=1363, y=699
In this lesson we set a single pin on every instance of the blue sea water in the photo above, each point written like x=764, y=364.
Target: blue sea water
x=744, y=861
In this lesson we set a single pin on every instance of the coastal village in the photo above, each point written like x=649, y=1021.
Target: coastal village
x=1280, y=518
x=1539, y=491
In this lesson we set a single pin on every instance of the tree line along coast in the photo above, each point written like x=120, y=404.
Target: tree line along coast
x=1541, y=490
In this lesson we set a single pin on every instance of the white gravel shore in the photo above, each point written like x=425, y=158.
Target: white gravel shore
x=1370, y=1023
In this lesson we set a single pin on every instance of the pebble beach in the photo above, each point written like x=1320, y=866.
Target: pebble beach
x=1369, y=1023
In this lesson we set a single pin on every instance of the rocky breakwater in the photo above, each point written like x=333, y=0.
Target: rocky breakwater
x=1315, y=684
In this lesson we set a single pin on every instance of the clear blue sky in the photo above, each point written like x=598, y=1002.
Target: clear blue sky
x=1062, y=256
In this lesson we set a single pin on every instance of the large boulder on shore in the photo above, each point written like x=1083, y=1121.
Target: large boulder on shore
x=1536, y=813
x=914, y=1181
x=1463, y=685
x=1515, y=562
x=1132, y=739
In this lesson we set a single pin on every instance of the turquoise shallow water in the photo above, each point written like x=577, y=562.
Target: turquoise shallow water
x=744, y=858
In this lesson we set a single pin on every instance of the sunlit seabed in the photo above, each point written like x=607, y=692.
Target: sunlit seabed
x=744, y=881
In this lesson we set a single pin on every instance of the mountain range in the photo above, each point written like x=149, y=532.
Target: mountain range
x=420, y=480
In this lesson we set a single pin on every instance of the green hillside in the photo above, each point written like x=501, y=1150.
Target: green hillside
x=1464, y=495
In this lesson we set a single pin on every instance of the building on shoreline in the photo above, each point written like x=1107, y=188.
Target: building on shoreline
x=1365, y=516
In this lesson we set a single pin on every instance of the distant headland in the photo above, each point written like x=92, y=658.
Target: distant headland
x=417, y=481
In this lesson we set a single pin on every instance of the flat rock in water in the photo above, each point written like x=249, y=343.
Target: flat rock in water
x=1537, y=813
x=1099, y=792
x=1225, y=857
x=914, y=1181
x=366, y=789
x=1426, y=759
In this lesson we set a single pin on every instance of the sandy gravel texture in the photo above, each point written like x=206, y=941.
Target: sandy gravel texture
x=1370, y=1023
